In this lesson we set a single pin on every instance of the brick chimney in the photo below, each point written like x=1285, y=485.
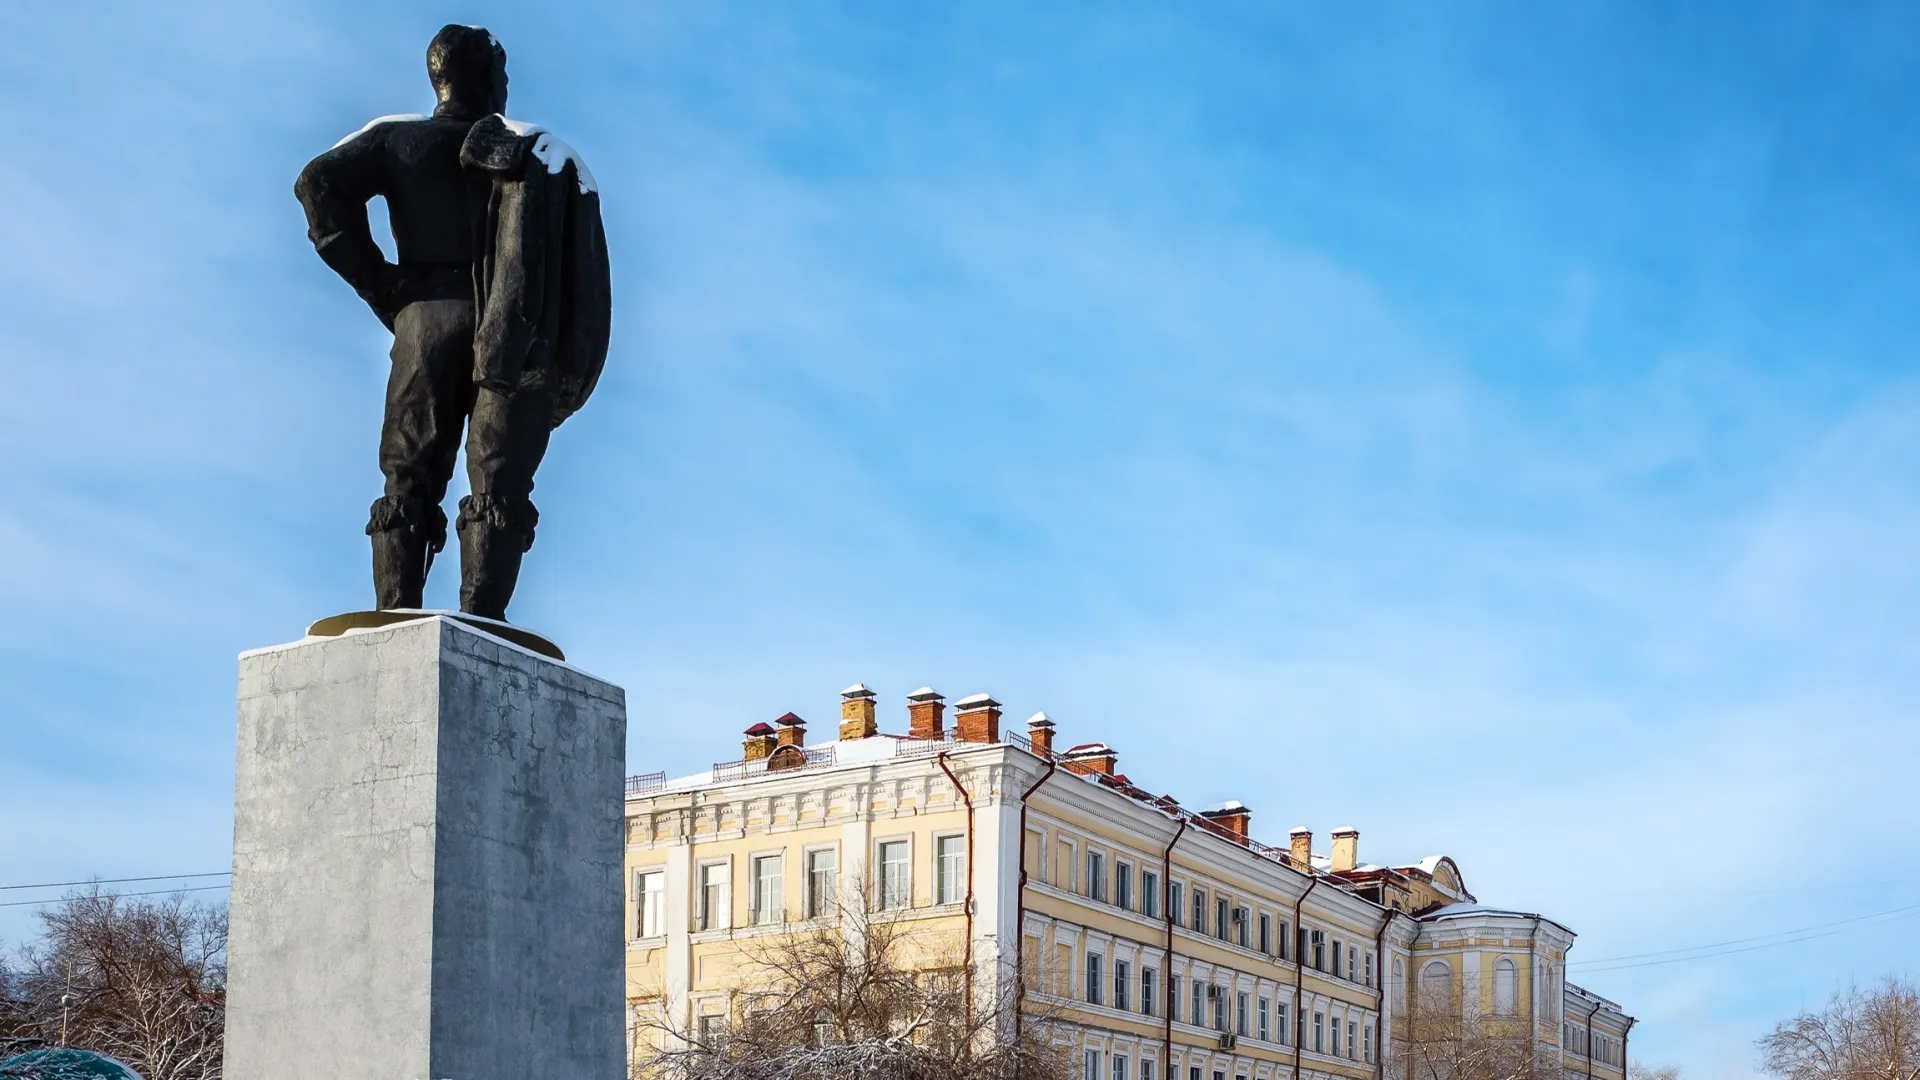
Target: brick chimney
x=1300, y=850
x=1231, y=817
x=977, y=719
x=758, y=743
x=926, y=714
x=790, y=730
x=856, y=713
x=1346, y=849
x=1090, y=759
x=1040, y=733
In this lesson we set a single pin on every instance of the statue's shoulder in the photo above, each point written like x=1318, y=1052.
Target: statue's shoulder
x=499, y=144
x=378, y=122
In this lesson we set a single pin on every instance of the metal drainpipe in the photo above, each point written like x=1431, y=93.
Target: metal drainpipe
x=1623, y=1044
x=1166, y=912
x=1380, y=990
x=1020, y=905
x=1299, y=969
x=1596, y=1008
x=966, y=957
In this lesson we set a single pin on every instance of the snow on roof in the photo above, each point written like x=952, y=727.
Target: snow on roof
x=857, y=690
x=1226, y=807
x=396, y=118
x=1038, y=719
x=925, y=693
x=976, y=701
x=1090, y=749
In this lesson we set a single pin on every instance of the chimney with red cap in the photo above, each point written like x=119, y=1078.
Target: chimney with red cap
x=759, y=742
x=926, y=714
x=790, y=730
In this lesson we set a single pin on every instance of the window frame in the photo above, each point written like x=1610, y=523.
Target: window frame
x=885, y=895
x=818, y=903
x=757, y=882
x=1096, y=867
x=941, y=883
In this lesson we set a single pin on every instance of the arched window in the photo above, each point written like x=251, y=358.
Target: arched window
x=1436, y=984
x=1505, y=987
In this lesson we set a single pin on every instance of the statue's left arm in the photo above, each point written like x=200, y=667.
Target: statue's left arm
x=334, y=189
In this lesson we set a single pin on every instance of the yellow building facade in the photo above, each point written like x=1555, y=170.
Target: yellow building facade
x=1148, y=940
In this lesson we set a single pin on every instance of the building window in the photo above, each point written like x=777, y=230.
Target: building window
x=1280, y=941
x=1336, y=1036
x=1265, y=1031
x=1093, y=978
x=1193, y=1073
x=1219, y=1007
x=1121, y=972
x=768, y=906
x=1319, y=1031
x=1220, y=918
x=713, y=896
x=1176, y=909
x=1199, y=911
x=1173, y=997
x=1366, y=1044
x=1266, y=934
x=896, y=880
x=1504, y=983
x=1318, y=939
x=1091, y=1069
x=1149, y=898
x=1436, y=980
x=1351, y=1025
x=949, y=869
x=1123, y=888
x=1369, y=967
x=1120, y=1067
x=822, y=866
x=1240, y=1014
x=1334, y=967
x=1146, y=1070
x=1353, y=964
x=650, y=895
x=1280, y=1017
x=1096, y=876
x=1199, y=1014
x=1242, y=927
x=1146, y=992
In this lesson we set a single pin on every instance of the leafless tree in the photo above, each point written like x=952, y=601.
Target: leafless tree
x=140, y=980
x=1440, y=1039
x=1642, y=1071
x=1860, y=1035
x=855, y=996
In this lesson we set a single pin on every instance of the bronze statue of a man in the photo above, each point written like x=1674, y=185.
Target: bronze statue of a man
x=498, y=301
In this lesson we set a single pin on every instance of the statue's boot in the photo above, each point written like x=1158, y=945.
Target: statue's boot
x=405, y=537
x=494, y=534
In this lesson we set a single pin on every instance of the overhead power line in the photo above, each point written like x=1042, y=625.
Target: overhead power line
x=116, y=880
x=1899, y=911
x=148, y=892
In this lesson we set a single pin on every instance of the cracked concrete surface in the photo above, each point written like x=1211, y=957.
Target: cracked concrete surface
x=427, y=850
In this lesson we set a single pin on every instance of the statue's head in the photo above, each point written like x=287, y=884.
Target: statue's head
x=468, y=69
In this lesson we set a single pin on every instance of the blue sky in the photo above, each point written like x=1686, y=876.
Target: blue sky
x=1496, y=428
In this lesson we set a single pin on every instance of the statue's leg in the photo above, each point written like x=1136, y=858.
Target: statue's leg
x=428, y=394
x=506, y=438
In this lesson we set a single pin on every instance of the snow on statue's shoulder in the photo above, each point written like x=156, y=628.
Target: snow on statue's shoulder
x=396, y=118
x=553, y=153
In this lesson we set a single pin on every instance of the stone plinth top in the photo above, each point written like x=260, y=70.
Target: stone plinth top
x=338, y=625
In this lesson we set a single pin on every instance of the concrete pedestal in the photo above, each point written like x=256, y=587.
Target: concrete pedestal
x=426, y=867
